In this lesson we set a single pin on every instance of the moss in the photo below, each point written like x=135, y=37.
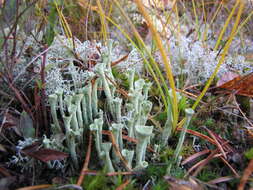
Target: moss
x=249, y=154
x=166, y=154
x=208, y=174
x=209, y=122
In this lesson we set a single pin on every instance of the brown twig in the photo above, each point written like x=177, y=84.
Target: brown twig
x=220, y=180
x=4, y=172
x=246, y=174
x=194, y=156
x=204, y=162
x=133, y=140
x=195, y=133
x=35, y=187
x=21, y=100
x=119, y=60
x=231, y=168
x=86, y=162
x=216, y=142
x=243, y=114
x=92, y=172
x=117, y=151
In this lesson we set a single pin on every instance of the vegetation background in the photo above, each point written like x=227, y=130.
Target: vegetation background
x=179, y=72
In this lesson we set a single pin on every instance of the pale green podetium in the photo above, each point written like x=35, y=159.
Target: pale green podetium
x=106, y=147
x=77, y=101
x=143, y=134
x=116, y=129
x=95, y=98
x=128, y=155
x=52, y=99
x=97, y=127
x=59, y=93
x=70, y=137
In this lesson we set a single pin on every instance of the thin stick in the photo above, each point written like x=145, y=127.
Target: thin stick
x=35, y=187
x=86, y=162
x=95, y=173
x=117, y=151
x=246, y=175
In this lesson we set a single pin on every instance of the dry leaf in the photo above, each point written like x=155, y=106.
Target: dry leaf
x=227, y=77
x=239, y=85
x=46, y=155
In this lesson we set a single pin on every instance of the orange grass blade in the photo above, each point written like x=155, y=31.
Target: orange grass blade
x=165, y=59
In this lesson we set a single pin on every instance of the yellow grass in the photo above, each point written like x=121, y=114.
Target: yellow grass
x=165, y=59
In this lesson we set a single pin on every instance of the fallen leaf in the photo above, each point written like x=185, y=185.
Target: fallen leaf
x=241, y=85
x=227, y=77
x=45, y=154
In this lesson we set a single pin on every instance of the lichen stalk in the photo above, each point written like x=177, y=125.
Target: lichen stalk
x=142, y=134
x=128, y=155
x=77, y=100
x=106, y=147
x=70, y=139
x=189, y=113
x=53, y=102
x=95, y=98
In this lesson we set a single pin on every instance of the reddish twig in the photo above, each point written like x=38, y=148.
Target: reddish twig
x=220, y=180
x=216, y=142
x=195, y=133
x=133, y=140
x=21, y=100
x=204, y=162
x=117, y=151
x=243, y=114
x=231, y=168
x=194, y=156
x=5, y=172
x=92, y=172
x=86, y=162
x=35, y=187
x=119, y=60
x=246, y=174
